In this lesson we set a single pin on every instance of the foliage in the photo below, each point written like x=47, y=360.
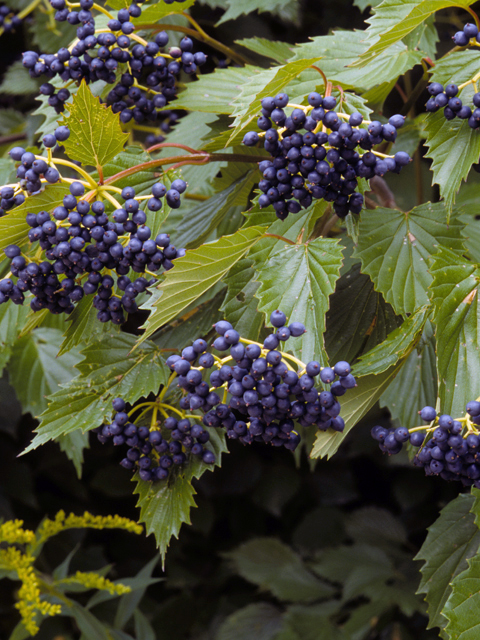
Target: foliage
x=390, y=285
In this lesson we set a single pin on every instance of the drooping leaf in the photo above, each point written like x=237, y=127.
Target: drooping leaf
x=394, y=248
x=107, y=371
x=165, y=506
x=355, y=404
x=415, y=385
x=95, y=132
x=195, y=273
x=451, y=540
x=299, y=280
x=73, y=444
x=398, y=344
x=358, y=318
x=36, y=372
x=274, y=566
x=454, y=293
x=14, y=229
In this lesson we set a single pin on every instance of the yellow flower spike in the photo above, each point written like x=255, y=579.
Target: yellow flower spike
x=12, y=532
x=92, y=580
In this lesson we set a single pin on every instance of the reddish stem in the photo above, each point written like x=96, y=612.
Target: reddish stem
x=274, y=235
x=321, y=73
x=177, y=145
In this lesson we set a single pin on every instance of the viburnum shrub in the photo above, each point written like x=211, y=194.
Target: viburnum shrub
x=205, y=243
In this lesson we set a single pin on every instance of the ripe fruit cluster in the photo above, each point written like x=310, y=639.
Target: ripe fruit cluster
x=449, y=448
x=462, y=38
x=152, y=451
x=322, y=163
x=79, y=240
x=452, y=105
x=116, y=57
x=263, y=396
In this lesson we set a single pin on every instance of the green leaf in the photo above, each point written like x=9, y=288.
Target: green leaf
x=17, y=81
x=95, y=132
x=35, y=370
x=129, y=602
x=12, y=319
x=107, y=371
x=358, y=318
x=304, y=623
x=462, y=607
x=342, y=48
x=394, y=247
x=261, y=621
x=215, y=92
x=73, y=444
x=278, y=51
x=398, y=344
x=415, y=385
x=14, y=229
x=195, y=273
x=165, y=506
x=236, y=9
x=275, y=567
x=156, y=12
x=86, y=621
x=198, y=224
x=240, y=304
x=356, y=403
x=454, y=293
x=451, y=540
x=143, y=628
x=309, y=273
x=393, y=20
x=453, y=148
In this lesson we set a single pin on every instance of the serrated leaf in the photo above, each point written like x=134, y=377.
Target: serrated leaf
x=278, y=51
x=394, y=248
x=342, y=48
x=95, y=132
x=165, y=506
x=13, y=227
x=240, y=304
x=36, y=372
x=275, y=567
x=392, y=21
x=398, y=344
x=236, y=9
x=201, y=220
x=308, y=276
x=73, y=444
x=215, y=92
x=454, y=293
x=355, y=404
x=462, y=607
x=195, y=273
x=451, y=540
x=107, y=371
x=261, y=621
x=358, y=318
x=453, y=147
x=415, y=385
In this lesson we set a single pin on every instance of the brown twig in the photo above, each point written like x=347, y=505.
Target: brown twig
x=13, y=137
x=383, y=192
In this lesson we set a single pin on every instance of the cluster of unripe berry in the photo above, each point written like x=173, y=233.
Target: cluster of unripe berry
x=322, y=163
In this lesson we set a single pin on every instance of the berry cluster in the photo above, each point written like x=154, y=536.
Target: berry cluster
x=452, y=451
x=80, y=241
x=316, y=164
x=9, y=21
x=31, y=169
x=263, y=396
x=151, y=451
x=143, y=74
x=9, y=200
x=452, y=105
